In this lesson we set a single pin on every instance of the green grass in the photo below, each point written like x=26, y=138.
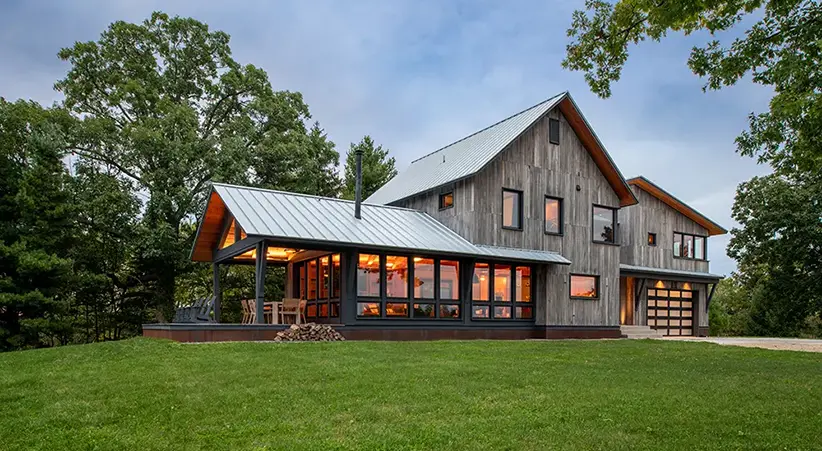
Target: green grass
x=153, y=394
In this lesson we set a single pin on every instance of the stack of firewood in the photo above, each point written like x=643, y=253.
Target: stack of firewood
x=309, y=332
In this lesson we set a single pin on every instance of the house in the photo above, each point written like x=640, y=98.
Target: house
x=525, y=229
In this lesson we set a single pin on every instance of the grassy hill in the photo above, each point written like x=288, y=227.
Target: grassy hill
x=151, y=394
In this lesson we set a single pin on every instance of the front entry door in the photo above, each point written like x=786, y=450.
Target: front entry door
x=671, y=311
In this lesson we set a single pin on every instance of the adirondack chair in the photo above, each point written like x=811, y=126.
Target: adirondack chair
x=199, y=311
x=184, y=312
x=204, y=313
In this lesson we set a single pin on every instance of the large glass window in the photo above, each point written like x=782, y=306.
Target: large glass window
x=301, y=288
x=584, y=287
x=523, y=284
x=312, y=280
x=449, y=279
x=512, y=209
x=336, y=274
x=553, y=215
x=423, y=278
x=604, y=224
x=396, y=277
x=502, y=283
x=481, y=282
x=690, y=246
x=325, y=277
x=368, y=275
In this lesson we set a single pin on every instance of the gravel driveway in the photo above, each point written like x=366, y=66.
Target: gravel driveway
x=779, y=344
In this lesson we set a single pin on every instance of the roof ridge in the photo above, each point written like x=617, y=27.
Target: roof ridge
x=490, y=126
x=335, y=199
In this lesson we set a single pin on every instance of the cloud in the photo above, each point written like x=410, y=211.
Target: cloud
x=417, y=75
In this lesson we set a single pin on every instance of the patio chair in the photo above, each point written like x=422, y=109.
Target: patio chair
x=185, y=313
x=268, y=315
x=293, y=307
x=247, y=315
x=204, y=313
x=199, y=311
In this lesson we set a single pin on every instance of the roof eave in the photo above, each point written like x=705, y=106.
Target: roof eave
x=672, y=201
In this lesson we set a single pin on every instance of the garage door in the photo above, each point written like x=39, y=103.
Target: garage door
x=671, y=311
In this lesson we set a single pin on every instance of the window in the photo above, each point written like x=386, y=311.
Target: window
x=511, y=209
x=553, y=131
x=368, y=276
x=415, y=287
x=511, y=287
x=335, y=276
x=553, y=215
x=396, y=277
x=325, y=277
x=651, y=239
x=446, y=200
x=584, y=287
x=604, y=221
x=312, y=280
x=318, y=281
x=690, y=246
x=423, y=278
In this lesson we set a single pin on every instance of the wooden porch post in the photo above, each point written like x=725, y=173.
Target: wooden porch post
x=262, y=251
x=218, y=293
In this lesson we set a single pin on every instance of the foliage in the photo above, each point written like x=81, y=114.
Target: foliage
x=730, y=309
x=377, y=168
x=153, y=394
x=779, y=246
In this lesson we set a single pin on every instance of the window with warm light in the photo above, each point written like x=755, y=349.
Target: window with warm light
x=584, y=287
x=553, y=215
x=336, y=274
x=325, y=277
x=481, y=282
x=318, y=281
x=423, y=278
x=511, y=209
x=446, y=200
x=396, y=277
x=604, y=224
x=449, y=280
x=511, y=288
x=368, y=275
x=651, y=239
x=312, y=280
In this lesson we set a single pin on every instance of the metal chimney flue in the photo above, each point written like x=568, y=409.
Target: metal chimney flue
x=358, y=189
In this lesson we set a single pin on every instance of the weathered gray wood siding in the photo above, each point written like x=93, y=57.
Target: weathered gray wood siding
x=651, y=215
x=538, y=168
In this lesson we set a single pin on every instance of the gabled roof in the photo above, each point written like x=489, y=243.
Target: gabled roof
x=299, y=218
x=471, y=154
x=671, y=200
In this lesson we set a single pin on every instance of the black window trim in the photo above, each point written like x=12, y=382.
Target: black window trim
x=682, y=242
x=614, y=211
x=655, y=243
x=584, y=298
x=442, y=196
x=491, y=302
x=552, y=121
x=330, y=299
x=521, y=196
x=561, y=216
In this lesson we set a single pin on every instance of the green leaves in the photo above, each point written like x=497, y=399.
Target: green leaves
x=377, y=168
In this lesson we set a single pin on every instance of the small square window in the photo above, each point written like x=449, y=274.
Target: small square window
x=651, y=239
x=511, y=209
x=553, y=131
x=446, y=200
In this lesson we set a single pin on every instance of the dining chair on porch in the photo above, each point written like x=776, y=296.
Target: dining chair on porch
x=251, y=304
x=247, y=312
x=293, y=307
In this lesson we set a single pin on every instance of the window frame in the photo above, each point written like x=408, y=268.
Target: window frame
x=693, y=237
x=520, y=197
x=492, y=303
x=613, y=221
x=652, y=239
x=561, y=209
x=584, y=298
x=331, y=302
x=551, y=122
x=442, y=196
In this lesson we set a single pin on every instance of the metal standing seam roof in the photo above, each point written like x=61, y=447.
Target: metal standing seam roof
x=462, y=158
x=673, y=272
x=291, y=216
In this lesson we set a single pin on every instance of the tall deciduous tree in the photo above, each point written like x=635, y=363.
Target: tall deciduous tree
x=165, y=105
x=779, y=246
x=377, y=168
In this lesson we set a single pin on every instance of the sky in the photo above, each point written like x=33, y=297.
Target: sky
x=419, y=74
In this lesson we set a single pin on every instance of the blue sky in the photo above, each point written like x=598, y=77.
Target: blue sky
x=418, y=74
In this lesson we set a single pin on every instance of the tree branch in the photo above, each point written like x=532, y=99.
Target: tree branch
x=94, y=155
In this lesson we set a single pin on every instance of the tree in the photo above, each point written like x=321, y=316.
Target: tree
x=35, y=227
x=317, y=169
x=377, y=168
x=780, y=213
x=165, y=106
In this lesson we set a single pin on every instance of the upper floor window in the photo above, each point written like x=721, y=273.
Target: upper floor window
x=690, y=246
x=511, y=209
x=553, y=131
x=446, y=200
x=553, y=215
x=604, y=224
x=651, y=239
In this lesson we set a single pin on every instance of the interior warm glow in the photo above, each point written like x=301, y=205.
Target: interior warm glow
x=584, y=287
x=273, y=253
x=686, y=286
x=660, y=284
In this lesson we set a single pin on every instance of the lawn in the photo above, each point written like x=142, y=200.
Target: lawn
x=534, y=395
